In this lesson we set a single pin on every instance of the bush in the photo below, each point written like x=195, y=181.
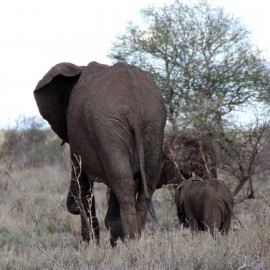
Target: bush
x=30, y=144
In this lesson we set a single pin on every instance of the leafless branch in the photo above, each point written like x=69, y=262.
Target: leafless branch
x=38, y=246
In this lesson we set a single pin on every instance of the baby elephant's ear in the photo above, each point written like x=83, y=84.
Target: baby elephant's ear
x=52, y=95
x=180, y=186
x=178, y=191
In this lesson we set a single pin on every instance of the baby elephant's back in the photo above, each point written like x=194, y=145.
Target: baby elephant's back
x=210, y=190
x=218, y=195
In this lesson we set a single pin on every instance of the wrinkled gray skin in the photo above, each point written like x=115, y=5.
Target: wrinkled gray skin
x=113, y=118
x=186, y=153
x=204, y=205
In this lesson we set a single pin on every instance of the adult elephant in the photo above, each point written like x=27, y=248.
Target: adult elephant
x=187, y=152
x=113, y=118
x=204, y=204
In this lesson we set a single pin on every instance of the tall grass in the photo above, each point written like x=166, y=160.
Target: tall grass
x=37, y=232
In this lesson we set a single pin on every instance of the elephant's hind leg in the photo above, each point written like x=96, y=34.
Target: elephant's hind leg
x=112, y=219
x=141, y=205
x=212, y=216
x=126, y=199
x=226, y=225
x=119, y=177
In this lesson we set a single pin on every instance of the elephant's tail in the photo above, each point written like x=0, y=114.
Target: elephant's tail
x=140, y=149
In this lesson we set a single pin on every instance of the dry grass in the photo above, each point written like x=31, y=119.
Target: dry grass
x=37, y=232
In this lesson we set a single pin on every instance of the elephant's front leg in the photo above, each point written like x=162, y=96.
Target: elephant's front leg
x=83, y=198
x=73, y=206
x=89, y=221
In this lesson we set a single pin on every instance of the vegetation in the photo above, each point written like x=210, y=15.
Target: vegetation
x=29, y=144
x=36, y=232
x=204, y=61
x=201, y=57
x=208, y=68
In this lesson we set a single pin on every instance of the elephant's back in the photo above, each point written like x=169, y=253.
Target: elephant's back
x=203, y=190
x=121, y=87
x=214, y=189
x=122, y=96
x=106, y=108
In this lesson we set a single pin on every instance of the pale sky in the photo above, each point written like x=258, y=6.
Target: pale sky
x=37, y=34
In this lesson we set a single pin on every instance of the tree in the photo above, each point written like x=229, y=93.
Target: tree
x=204, y=61
x=202, y=58
x=29, y=144
x=242, y=154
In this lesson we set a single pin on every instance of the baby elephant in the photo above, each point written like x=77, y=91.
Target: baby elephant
x=204, y=205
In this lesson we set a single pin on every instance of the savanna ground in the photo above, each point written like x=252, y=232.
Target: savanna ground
x=37, y=232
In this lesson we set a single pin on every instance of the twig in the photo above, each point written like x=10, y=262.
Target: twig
x=265, y=200
x=50, y=257
x=246, y=266
x=74, y=252
x=79, y=200
x=170, y=186
x=175, y=163
x=9, y=254
x=238, y=220
x=17, y=185
x=241, y=200
x=204, y=160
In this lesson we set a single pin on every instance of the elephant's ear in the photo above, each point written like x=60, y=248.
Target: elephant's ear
x=52, y=95
x=179, y=196
x=179, y=187
x=182, y=189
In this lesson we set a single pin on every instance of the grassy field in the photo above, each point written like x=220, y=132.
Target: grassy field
x=37, y=232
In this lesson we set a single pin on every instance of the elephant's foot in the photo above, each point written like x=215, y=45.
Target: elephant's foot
x=72, y=204
x=84, y=245
x=90, y=237
x=116, y=231
x=90, y=230
x=129, y=218
x=94, y=230
x=130, y=226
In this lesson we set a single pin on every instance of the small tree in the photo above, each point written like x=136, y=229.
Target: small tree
x=242, y=154
x=201, y=57
x=28, y=144
x=204, y=61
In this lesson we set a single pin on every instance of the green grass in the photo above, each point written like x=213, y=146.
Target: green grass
x=37, y=232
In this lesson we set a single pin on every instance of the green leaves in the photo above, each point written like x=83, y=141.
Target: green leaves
x=202, y=58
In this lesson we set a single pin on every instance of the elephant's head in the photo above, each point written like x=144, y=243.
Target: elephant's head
x=185, y=153
x=180, y=195
x=53, y=91
x=168, y=172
